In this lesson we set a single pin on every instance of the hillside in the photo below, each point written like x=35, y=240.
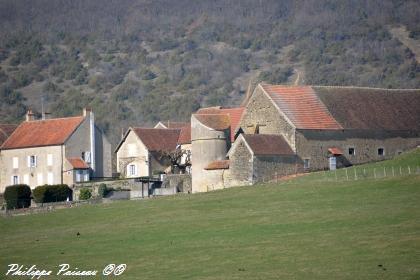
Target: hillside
x=138, y=61
x=307, y=228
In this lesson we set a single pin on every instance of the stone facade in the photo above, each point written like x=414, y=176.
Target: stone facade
x=133, y=152
x=51, y=165
x=207, y=145
x=313, y=145
x=262, y=112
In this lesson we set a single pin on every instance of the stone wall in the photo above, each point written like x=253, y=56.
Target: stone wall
x=261, y=111
x=179, y=182
x=314, y=144
x=267, y=168
x=240, y=165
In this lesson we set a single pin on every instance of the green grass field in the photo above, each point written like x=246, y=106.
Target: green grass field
x=307, y=228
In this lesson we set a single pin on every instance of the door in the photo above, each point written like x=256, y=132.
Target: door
x=333, y=163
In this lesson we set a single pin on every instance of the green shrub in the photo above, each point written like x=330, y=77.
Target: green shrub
x=17, y=196
x=51, y=193
x=103, y=190
x=85, y=194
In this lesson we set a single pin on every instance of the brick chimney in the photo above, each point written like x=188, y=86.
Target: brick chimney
x=30, y=116
x=46, y=115
x=86, y=111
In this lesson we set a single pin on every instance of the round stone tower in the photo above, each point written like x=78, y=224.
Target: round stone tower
x=210, y=139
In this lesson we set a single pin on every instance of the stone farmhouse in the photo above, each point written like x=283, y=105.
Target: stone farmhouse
x=55, y=151
x=290, y=129
x=144, y=151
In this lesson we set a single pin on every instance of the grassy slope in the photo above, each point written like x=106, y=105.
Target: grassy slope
x=305, y=229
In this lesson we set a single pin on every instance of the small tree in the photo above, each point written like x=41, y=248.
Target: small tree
x=17, y=196
x=85, y=194
x=179, y=158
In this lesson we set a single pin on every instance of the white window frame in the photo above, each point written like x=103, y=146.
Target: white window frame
x=15, y=162
x=50, y=178
x=15, y=179
x=50, y=159
x=32, y=161
x=40, y=179
x=26, y=179
x=132, y=170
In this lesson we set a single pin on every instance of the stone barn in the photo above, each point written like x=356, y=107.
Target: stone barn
x=336, y=126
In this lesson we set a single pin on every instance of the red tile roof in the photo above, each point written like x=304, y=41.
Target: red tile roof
x=235, y=115
x=217, y=164
x=335, y=151
x=158, y=139
x=372, y=108
x=214, y=121
x=185, y=135
x=42, y=133
x=5, y=131
x=301, y=106
x=265, y=144
x=78, y=163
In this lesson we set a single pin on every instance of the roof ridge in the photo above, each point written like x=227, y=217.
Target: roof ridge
x=361, y=87
x=53, y=119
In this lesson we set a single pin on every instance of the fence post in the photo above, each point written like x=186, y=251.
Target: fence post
x=409, y=170
x=384, y=171
x=347, y=175
x=393, y=173
x=277, y=178
x=374, y=173
x=335, y=175
x=355, y=173
x=400, y=171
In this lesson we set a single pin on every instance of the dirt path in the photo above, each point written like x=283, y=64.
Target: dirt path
x=402, y=35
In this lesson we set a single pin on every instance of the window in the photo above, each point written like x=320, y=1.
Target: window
x=306, y=163
x=15, y=162
x=86, y=156
x=132, y=170
x=49, y=159
x=26, y=179
x=40, y=179
x=78, y=175
x=381, y=151
x=50, y=178
x=352, y=151
x=32, y=161
x=15, y=180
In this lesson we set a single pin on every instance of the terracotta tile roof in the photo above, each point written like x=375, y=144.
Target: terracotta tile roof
x=371, y=108
x=265, y=144
x=185, y=135
x=335, y=151
x=217, y=164
x=42, y=133
x=158, y=139
x=5, y=131
x=214, y=121
x=235, y=115
x=301, y=106
x=78, y=163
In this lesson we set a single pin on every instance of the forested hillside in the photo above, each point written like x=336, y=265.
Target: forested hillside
x=139, y=61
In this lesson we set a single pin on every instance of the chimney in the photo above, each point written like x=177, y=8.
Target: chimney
x=46, y=116
x=86, y=111
x=30, y=116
